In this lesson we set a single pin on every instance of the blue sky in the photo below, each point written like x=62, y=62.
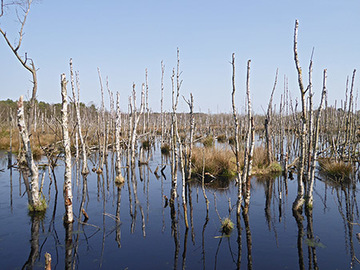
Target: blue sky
x=123, y=38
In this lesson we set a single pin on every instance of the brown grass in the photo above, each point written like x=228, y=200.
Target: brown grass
x=208, y=141
x=335, y=170
x=218, y=162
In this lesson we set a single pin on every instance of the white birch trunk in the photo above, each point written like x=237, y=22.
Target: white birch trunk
x=236, y=135
x=69, y=218
x=299, y=201
x=119, y=178
x=34, y=199
x=315, y=147
x=85, y=169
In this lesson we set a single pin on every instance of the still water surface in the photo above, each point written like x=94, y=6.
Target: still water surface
x=145, y=236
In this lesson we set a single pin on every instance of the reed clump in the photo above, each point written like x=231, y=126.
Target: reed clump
x=146, y=144
x=337, y=170
x=261, y=164
x=221, y=138
x=227, y=226
x=218, y=162
x=208, y=141
x=165, y=149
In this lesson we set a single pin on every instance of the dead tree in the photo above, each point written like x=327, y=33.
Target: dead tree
x=85, y=169
x=191, y=139
x=236, y=135
x=35, y=203
x=25, y=61
x=268, y=119
x=311, y=177
x=119, y=178
x=249, y=147
x=69, y=218
x=102, y=134
x=134, y=121
x=162, y=101
x=299, y=201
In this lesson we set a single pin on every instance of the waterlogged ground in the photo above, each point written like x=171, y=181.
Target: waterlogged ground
x=145, y=236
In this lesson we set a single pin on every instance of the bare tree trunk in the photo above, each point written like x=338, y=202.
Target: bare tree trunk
x=348, y=118
x=309, y=196
x=102, y=125
x=69, y=218
x=85, y=169
x=299, y=201
x=119, y=178
x=250, y=140
x=134, y=118
x=268, y=124
x=236, y=135
x=191, y=142
x=162, y=101
x=34, y=200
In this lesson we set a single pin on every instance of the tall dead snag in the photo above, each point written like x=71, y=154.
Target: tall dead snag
x=311, y=121
x=191, y=142
x=119, y=178
x=26, y=62
x=236, y=135
x=85, y=169
x=177, y=140
x=311, y=179
x=102, y=134
x=134, y=121
x=299, y=201
x=162, y=101
x=35, y=204
x=348, y=119
x=267, y=124
x=174, y=155
x=69, y=218
x=249, y=148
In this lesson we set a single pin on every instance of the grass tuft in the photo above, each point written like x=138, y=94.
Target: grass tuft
x=221, y=138
x=165, y=149
x=41, y=208
x=218, y=162
x=146, y=144
x=336, y=170
x=226, y=226
x=208, y=141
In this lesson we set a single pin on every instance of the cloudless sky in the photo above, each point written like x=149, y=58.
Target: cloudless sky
x=123, y=38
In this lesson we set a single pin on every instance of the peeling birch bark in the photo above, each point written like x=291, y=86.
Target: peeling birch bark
x=34, y=198
x=69, y=218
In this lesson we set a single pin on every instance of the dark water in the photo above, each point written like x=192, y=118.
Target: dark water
x=147, y=238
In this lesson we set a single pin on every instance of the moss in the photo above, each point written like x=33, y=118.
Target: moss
x=226, y=226
x=41, y=208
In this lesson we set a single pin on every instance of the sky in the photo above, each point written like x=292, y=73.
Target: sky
x=123, y=38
